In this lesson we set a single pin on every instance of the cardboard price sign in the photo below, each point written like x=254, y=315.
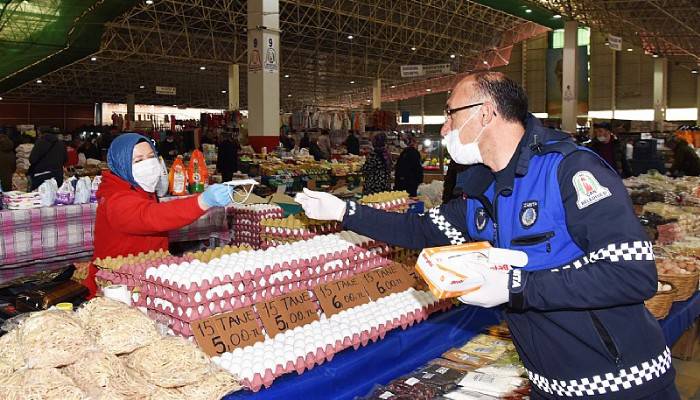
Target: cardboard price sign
x=287, y=312
x=225, y=332
x=416, y=281
x=385, y=281
x=340, y=295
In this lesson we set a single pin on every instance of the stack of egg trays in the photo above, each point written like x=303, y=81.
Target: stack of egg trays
x=246, y=223
x=132, y=275
x=355, y=341
x=198, y=301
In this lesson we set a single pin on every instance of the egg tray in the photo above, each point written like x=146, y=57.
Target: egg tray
x=352, y=253
x=244, y=294
x=132, y=275
x=356, y=340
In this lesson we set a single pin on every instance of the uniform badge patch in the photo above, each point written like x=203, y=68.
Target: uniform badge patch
x=480, y=219
x=528, y=213
x=588, y=189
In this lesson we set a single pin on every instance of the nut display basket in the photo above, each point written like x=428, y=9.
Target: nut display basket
x=660, y=304
x=684, y=284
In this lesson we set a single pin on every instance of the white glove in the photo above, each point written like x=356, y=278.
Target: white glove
x=494, y=291
x=320, y=205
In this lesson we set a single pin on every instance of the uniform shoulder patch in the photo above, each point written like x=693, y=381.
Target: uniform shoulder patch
x=588, y=189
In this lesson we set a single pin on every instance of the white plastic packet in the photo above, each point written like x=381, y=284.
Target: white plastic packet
x=163, y=182
x=491, y=385
x=453, y=271
x=93, y=188
x=47, y=191
x=82, y=191
x=66, y=193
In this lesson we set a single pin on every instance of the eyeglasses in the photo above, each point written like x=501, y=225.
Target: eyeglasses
x=449, y=111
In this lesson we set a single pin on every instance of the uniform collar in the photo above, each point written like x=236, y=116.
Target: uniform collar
x=475, y=180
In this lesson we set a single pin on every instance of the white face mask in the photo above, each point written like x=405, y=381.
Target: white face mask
x=147, y=173
x=465, y=154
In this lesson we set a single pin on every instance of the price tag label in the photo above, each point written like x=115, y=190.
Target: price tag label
x=287, y=312
x=385, y=281
x=416, y=281
x=225, y=332
x=337, y=296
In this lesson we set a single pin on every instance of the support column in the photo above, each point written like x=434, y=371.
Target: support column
x=377, y=94
x=130, y=110
x=697, y=98
x=263, y=74
x=613, y=84
x=660, y=84
x=234, y=88
x=569, y=106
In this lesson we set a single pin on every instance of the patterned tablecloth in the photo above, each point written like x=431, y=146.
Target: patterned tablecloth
x=43, y=238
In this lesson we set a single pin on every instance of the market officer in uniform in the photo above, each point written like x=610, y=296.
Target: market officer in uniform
x=130, y=219
x=576, y=311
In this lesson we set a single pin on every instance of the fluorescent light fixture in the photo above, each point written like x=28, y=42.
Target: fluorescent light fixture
x=93, y=58
x=630, y=49
x=202, y=68
x=427, y=142
x=413, y=48
x=556, y=16
x=223, y=91
x=694, y=71
x=428, y=90
x=351, y=37
x=149, y=2
x=286, y=75
x=141, y=86
x=289, y=95
x=393, y=86
x=351, y=82
x=452, y=56
x=39, y=81
x=527, y=10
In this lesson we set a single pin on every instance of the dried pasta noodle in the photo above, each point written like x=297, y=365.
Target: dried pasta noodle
x=116, y=327
x=10, y=356
x=52, y=338
x=170, y=362
x=214, y=387
x=39, y=384
x=96, y=372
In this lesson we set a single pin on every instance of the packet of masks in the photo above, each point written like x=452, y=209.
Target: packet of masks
x=47, y=192
x=93, y=188
x=66, y=193
x=453, y=271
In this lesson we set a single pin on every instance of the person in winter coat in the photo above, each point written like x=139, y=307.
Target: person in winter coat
x=227, y=159
x=685, y=159
x=324, y=143
x=90, y=149
x=8, y=163
x=352, y=143
x=46, y=160
x=130, y=219
x=409, y=169
x=609, y=148
x=377, y=166
x=575, y=309
x=168, y=148
x=305, y=142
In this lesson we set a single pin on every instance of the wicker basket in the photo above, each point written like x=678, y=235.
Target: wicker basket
x=660, y=304
x=685, y=284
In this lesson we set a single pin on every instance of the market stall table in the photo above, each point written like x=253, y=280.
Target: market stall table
x=352, y=373
x=50, y=237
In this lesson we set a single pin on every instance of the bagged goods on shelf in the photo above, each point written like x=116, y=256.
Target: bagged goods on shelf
x=48, y=191
x=66, y=193
x=197, y=173
x=94, y=186
x=68, y=339
x=16, y=200
x=116, y=327
x=178, y=178
x=82, y=190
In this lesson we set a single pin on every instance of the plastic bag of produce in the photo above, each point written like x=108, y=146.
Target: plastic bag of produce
x=197, y=172
x=82, y=190
x=48, y=192
x=178, y=178
x=66, y=193
x=93, y=188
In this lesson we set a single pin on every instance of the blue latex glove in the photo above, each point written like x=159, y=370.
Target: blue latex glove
x=217, y=195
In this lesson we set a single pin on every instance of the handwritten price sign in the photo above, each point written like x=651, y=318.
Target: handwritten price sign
x=385, y=281
x=287, y=312
x=225, y=332
x=337, y=296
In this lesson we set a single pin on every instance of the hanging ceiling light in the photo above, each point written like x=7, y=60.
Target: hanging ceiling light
x=149, y=2
x=202, y=68
x=630, y=49
x=223, y=91
x=452, y=56
x=351, y=37
x=39, y=81
x=527, y=10
x=413, y=48
x=351, y=82
x=694, y=71
x=93, y=58
x=141, y=86
x=556, y=16
x=393, y=86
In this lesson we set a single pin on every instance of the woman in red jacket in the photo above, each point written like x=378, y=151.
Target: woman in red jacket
x=130, y=219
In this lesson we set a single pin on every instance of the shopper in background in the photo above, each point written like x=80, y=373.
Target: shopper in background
x=576, y=310
x=324, y=144
x=168, y=148
x=8, y=162
x=449, y=186
x=130, y=219
x=609, y=148
x=377, y=167
x=305, y=142
x=46, y=160
x=72, y=153
x=227, y=158
x=352, y=143
x=409, y=168
x=315, y=149
x=90, y=150
x=286, y=140
x=685, y=159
